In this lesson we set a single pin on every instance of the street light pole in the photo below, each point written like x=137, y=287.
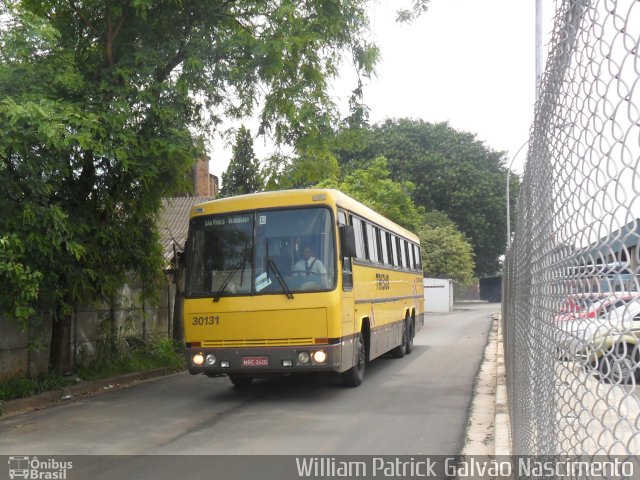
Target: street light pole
x=508, y=197
x=538, y=47
x=538, y=73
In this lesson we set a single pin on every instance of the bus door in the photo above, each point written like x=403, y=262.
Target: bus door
x=348, y=304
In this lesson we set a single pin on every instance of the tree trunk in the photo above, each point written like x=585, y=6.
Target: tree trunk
x=60, y=354
x=178, y=326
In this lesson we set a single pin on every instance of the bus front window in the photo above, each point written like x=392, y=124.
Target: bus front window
x=222, y=255
x=300, y=243
x=296, y=243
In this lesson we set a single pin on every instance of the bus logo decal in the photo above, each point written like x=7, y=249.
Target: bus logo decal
x=382, y=281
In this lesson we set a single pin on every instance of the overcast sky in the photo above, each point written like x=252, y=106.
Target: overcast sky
x=468, y=62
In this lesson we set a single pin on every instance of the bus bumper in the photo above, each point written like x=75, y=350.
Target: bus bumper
x=264, y=360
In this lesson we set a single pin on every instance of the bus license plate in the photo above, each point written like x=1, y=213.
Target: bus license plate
x=255, y=361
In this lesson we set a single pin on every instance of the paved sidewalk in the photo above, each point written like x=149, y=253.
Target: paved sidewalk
x=488, y=430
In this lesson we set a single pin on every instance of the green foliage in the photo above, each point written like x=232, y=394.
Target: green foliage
x=373, y=187
x=301, y=172
x=21, y=386
x=99, y=102
x=273, y=171
x=452, y=172
x=407, y=15
x=132, y=354
x=120, y=350
x=167, y=352
x=446, y=253
x=435, y=219
x=18, y=280
x=243, y=174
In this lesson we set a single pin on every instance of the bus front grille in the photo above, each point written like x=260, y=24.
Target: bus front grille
x=258, y=342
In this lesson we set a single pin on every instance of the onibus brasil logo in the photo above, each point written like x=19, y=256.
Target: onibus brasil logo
x=34, y=469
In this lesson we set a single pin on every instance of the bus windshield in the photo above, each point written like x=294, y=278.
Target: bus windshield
x=243, y=253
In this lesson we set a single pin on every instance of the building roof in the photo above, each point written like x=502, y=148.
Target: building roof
x=174, y=223
x=615, y=242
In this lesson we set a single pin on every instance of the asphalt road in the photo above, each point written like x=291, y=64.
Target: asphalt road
x=417, y=405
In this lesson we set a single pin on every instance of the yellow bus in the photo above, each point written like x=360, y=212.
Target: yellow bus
x=297, y=281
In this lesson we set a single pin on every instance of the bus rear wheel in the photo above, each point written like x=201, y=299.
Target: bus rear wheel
x=354, y=376
x=412, y=333
x=401, y=349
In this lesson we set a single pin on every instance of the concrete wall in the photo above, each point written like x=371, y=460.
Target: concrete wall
x=131, y=317
x=438, y=295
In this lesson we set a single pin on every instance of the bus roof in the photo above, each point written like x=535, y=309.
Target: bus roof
x=290, y=198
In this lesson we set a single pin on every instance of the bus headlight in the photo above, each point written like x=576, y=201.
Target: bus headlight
x=320, y=356
x=198, y=359
x=210, y=360
x=303, y=357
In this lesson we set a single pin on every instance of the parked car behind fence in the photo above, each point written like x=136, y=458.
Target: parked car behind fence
x=603, y=335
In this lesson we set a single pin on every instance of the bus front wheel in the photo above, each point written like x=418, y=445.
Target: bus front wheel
x=240, y=381
x=354, y=376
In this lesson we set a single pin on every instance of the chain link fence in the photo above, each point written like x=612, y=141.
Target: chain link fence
x=571, y=307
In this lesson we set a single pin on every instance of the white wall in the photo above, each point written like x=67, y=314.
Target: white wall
x=438, y=295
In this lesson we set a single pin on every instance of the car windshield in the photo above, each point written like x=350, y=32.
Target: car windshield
x=263, y=252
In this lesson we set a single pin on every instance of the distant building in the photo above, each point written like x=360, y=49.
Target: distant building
x=173, y=221
x=205, y=184
x=609, y=264
x=174, y=224
x=620, y=246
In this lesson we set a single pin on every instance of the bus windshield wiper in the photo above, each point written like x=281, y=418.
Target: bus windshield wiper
x=280, y=278
x=227, y=279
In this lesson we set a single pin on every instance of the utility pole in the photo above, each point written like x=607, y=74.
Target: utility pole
x=538, y=47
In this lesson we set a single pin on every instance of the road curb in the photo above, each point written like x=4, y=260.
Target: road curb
x=480, y=433
x=502, y=436
x=488, y=430
x=82, y=389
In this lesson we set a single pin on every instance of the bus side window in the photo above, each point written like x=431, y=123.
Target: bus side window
x=414, y=260
x=407, y=258
x=416, y=249
x=383, y=249
x=347, y=273
x=360, y=240
x=372, y=246
x=390, y=248
x=400, y=252
x=393, y=241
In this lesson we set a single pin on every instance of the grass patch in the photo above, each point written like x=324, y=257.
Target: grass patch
x=21, y=386
x=113, y=356
x=135, y=355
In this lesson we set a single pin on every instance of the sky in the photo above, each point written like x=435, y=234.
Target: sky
x=468, y=62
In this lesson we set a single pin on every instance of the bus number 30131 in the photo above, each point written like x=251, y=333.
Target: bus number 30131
x=208, y=320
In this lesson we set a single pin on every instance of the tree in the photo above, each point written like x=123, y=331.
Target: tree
x=301, y=171
x=446, y=253
x=452, y=172
x=100, y=99
x=373, y=187
x=243, y=173
x=436, y=219
x=19, y=281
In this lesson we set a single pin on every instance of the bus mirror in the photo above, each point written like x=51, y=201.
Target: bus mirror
x=347, y=241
